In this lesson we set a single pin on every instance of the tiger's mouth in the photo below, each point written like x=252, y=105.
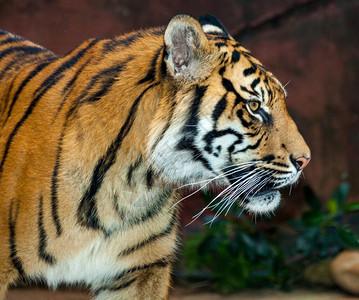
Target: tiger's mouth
x=257, y=192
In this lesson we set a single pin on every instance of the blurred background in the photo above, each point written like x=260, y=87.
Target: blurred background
x=312, y=47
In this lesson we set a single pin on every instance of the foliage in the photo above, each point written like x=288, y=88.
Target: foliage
x=321, y=230
x=238, y=254
x=235, y=257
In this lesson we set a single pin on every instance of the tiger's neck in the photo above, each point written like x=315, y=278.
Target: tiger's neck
x=108, y=139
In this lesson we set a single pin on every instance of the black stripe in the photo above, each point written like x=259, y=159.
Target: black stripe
x=248, y=55
x=111, y=45
x=190, y=129
x=227, y=84
x=220, y=44
x=105, y=79
x=249, y=71
x=268, y=157
x=168, y=124
x=10, y=66
x=124, y=285
x=54, y=187
x=241, y=118
x=16, y=261
x=150, y=76
x=280, y=164
x=222, y=70
x=271, y=95
x=255, y=83
x=114, y=288
x=87, y=210
x=163, y=66
x=221, y=38
x=11, y=39
x=18, y=61
x=219, y=109
x=192, y=121
x=253, y=93
x=69, y=85
x=255, y=146
x=32, y=74
x=106, y=84
x=152, y=238
x=6, y=99
x=252, y=134
x=132, y=167
x=186, y=143
x=69, y=63
x=213, y=134
x=161, y=263
x=26, y=49
x=54, y=179
x=149, y=178
x=43, y=254
x=157, y=31
x=223, y=58
x=235, y=56
x=50, y=81
x=76, y=75
x=129, y=40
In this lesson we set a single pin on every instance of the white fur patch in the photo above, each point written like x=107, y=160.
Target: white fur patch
x=211, y=28
x=93, y=265
x=264, y=203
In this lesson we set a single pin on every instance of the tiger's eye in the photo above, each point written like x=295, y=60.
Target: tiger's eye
x=254, y=105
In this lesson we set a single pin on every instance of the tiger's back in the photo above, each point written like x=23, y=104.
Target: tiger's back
x=92, y=145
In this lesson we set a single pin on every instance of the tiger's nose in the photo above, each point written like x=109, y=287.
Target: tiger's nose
x=301, y=162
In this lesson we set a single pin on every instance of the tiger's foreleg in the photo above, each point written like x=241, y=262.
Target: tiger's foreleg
x=3, y=289
x=150, y=282
x=8, y=276
x=10, y=266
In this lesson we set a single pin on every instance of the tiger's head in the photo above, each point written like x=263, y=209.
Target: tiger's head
x=226, y=121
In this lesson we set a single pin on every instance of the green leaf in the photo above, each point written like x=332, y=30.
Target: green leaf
x=341, y=193
x=351, y=206
x=313, y=217
x=349, y=238
x=312, y=199
x=332, y=206
x=190, y=252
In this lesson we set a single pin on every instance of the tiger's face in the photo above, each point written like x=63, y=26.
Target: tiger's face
x=247, y=136
x=230, y=125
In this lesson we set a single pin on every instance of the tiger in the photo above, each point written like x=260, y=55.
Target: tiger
x=94, y=145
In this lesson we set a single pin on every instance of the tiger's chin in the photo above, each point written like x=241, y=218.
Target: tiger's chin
x=264, y=203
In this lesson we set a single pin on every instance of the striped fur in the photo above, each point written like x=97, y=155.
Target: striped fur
x=94, y=143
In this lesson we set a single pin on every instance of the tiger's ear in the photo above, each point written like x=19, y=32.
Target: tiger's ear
x=189, y=55
x=210, y=24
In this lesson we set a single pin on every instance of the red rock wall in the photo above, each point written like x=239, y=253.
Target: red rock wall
x=311, y=45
